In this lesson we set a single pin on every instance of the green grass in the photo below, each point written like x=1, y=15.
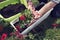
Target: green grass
x=7, y=2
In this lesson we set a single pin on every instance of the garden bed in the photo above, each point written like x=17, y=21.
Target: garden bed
x=16, y=16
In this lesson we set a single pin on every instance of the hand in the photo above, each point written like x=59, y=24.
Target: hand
x=36, y=14
x=32, y=9
x=30, y=6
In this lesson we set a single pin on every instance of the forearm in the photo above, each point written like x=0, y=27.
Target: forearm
x=47, y=7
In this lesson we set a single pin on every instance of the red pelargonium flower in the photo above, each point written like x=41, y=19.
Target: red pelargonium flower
x=22, y=17
x=54, y=25
x=18, y=27
x=4, y=36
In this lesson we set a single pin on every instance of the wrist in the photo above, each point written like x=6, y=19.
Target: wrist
x=33, y=9
x=39, y=13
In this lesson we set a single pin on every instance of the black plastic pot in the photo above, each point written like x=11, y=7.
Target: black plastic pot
x=11, y=10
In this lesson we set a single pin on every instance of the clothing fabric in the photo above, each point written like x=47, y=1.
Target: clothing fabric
x=56, y=1
x=45, y=1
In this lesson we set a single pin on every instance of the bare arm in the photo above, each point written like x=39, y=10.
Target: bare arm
x=43, y=10
x=47, y=7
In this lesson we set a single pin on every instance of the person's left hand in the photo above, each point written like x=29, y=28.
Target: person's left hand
x=32, y=9
x=30, y=6
x=36, y=14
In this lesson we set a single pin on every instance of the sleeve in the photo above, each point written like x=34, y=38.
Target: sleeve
x=56, y=1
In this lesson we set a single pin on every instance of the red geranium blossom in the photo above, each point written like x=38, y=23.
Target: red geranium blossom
x=54, y=25
x=22, y=17
x=4, y=36
x=18, y=27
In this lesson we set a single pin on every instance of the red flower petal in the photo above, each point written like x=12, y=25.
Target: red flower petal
x=22, y=17
x=18, y=27
x=4, y=35
x=54, y=25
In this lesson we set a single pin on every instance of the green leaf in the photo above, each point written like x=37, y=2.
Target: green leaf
x=58, y=21
x=13, y=17
x=7, y=2
x=24, y=2
x=35, y=2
